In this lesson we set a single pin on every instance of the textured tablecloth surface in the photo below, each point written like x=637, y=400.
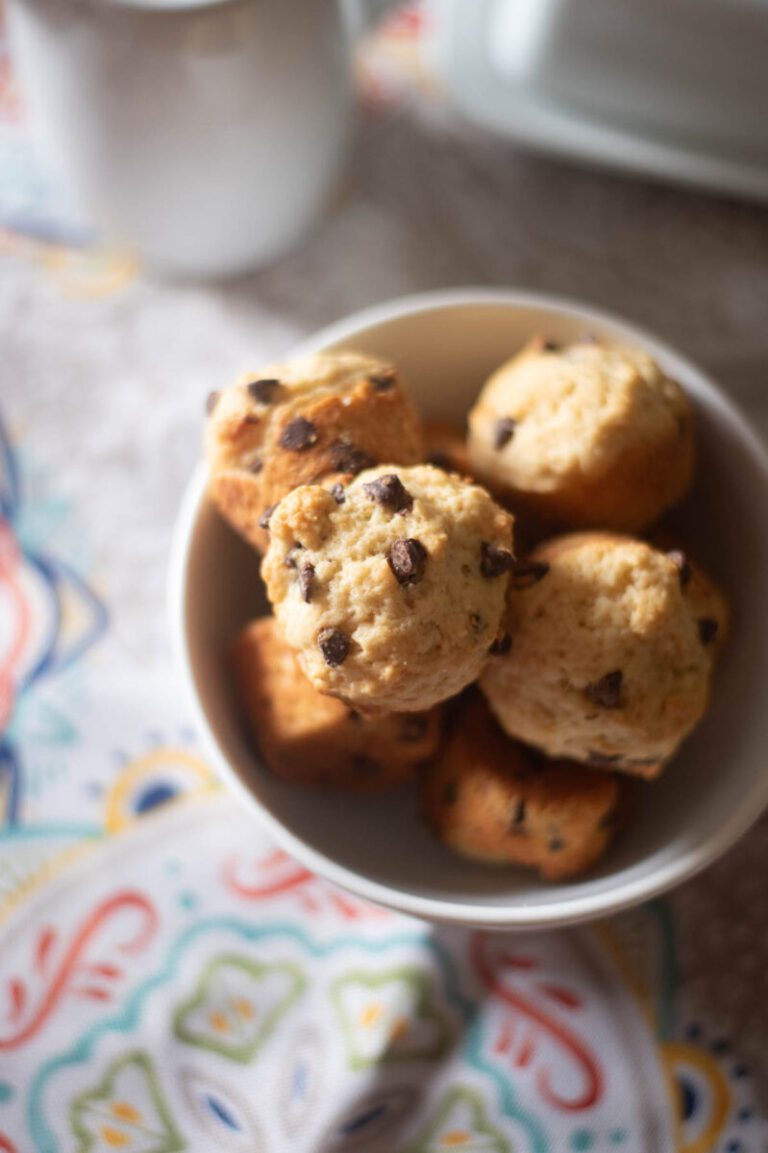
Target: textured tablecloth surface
x=168, y=980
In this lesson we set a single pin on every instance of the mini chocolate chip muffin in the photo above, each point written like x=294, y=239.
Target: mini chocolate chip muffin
x=612, y=652
x=312, y=739
x=584, y=436
x=327, y=415
x=491, y=799
x=392, y=588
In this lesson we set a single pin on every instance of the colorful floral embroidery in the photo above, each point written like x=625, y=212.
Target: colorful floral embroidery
x=126, y=1112
x=461, y=1126
x=236, y=1005
x=389, y=1017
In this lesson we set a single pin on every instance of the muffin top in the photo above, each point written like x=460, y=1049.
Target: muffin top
x=589, y=434
x=330, y=414
x=390, y=588
x=613, y=646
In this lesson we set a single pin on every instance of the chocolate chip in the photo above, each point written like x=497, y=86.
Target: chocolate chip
x=556, y=844
x=291, y=560
x=526, y=573
x=450, y=793
x=501, y=645
x=475, y=623
x=607, y=691
x=355, y=716
x=263, y=390
x=211, y=400
x=266, y=516
x=597, y=758
x=680, y=560
x=413, y=728
x=518, y=818
x=708, y=627
x=298, y=435
x=347, y=457
x=365, y=766
x=550, y=346
x=306, y=581
x=255, y=466
x=495, y=561
x=389, y=491
x=334, y=645
x=503, y=431
x=338, y=494
x=384, y=380
x=609, y=819
x=408, y=560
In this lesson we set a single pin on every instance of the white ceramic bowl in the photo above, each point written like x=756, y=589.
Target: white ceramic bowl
x=447, y=343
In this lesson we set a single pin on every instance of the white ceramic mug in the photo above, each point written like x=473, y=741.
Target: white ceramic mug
x=205, y=135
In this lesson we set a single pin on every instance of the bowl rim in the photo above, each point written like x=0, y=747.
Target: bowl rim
x=614, y=897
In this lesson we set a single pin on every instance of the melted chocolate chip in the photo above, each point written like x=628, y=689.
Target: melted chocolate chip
x=211, y=400
x=255, y=466
x=413, y=728
x=597, y=758
x=556, y=844
x=306, y=581
x=264, y=391
x=334, y=645
x=475, y=623
x=680, y=560
x=355, y=716
x=384, y=380
x=408, y=560
x=347, y=457
x=503, y=431
x=298, y=435
x=607, y=691
x=338, y=494
x=495, y=561
x=550, y=346
x=266, y=516
x=708, y=627
x=389, y=491
x=517, y=822
x=450, y=793
x=501, y=645
x=526, y=573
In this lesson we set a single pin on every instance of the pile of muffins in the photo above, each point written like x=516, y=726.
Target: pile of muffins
x=477, y=613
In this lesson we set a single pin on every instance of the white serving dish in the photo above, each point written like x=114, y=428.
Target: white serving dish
x=446, y=344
